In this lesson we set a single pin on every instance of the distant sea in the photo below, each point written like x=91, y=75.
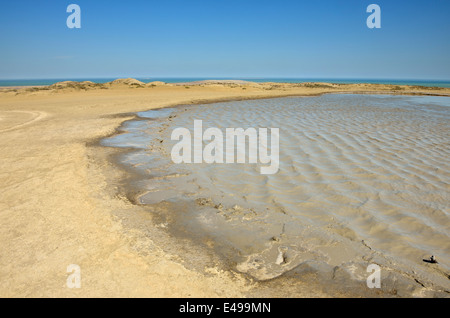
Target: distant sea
x=39, y=82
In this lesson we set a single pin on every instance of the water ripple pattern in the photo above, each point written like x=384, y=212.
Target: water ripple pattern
x=362, y=177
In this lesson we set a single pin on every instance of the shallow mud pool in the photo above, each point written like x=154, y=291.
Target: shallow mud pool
x=362, y=179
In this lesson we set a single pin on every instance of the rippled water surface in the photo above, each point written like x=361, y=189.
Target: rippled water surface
x=362, y=179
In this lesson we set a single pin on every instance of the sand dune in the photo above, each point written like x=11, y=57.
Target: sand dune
x=126, y=81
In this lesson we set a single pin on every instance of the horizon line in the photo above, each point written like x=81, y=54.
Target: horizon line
x=231, y=78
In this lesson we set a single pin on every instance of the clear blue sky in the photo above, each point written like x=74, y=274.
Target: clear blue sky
x=218, y=38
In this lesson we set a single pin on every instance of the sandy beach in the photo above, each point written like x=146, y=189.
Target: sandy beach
x=62, y=200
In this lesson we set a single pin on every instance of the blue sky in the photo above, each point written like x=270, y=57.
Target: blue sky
x=235, y=39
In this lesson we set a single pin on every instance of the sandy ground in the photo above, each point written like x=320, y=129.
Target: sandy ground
x=59, y=204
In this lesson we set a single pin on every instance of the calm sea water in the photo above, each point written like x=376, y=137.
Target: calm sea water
x=37, y=82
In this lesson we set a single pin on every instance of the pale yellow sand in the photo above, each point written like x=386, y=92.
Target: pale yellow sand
x=59, y=203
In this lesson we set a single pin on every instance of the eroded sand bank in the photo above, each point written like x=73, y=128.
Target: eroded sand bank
x=61, y=202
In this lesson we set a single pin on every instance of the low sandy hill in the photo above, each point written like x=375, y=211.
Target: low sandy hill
x=127, y=81
x=72, y=84
x=217, y=82
x=68, y=85
x=156, y=83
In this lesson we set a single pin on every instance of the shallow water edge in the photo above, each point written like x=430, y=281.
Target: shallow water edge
x=344, y=278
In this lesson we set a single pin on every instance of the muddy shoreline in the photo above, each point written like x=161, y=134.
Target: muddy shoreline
x=132, y=193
